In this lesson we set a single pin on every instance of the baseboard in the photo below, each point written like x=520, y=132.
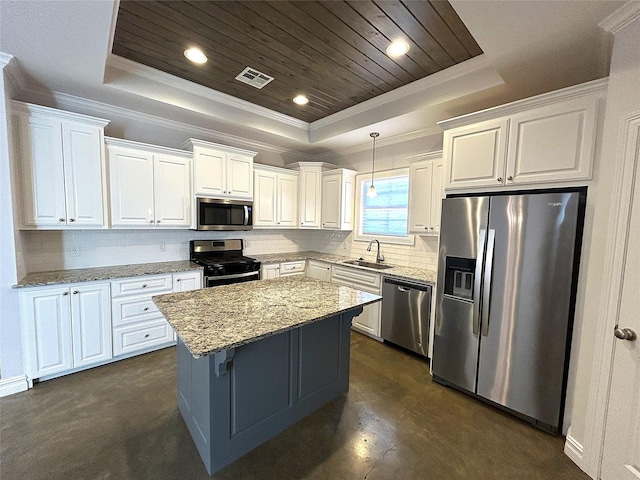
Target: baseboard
x=573, y=449
x=12, y=385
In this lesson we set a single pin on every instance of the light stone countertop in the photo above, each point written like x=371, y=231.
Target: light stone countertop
x=406, y=273
x=216, y=319
x=78, y=275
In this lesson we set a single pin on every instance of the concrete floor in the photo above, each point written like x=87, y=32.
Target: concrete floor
x=121, y=422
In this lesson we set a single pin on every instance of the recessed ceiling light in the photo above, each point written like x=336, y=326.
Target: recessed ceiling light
x=397, y=48
x=195, y=55
x=300, y=100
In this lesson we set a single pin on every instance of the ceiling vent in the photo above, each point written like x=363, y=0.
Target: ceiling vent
x=252, y=77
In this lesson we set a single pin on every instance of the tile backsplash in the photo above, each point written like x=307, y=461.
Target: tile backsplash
x=56, y=250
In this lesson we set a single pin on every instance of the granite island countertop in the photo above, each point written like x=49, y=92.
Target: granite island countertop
x=215, y=319
x=397, y=271
x=78, y=275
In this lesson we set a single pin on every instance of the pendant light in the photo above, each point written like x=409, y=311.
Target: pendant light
x=372, y=190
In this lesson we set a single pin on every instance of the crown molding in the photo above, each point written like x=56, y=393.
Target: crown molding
x=594, y=87
x=194, y=142
x=381, y=142
x=72, y=102
x=435, y=155
x=38, y=110
x=157, y=76
x=429, y=82
x=622, y=17
x=119, y=142
x=13, y=72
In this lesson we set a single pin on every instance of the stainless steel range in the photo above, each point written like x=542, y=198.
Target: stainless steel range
x=223, y=262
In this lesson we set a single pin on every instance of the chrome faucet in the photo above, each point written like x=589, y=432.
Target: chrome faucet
x=379, y=258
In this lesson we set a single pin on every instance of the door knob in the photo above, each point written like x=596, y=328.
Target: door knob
x=625, y=334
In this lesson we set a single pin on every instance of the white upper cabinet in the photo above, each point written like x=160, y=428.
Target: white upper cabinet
x=220, y=171
x=310, y=193
x=150, y=186
x=338, y=191
x=477, y=154
x=275, y=202
x=62, y=167
x=545, y=139
x=426, y=190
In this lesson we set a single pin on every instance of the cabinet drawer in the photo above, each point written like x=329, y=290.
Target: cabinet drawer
x=137, y=337
x=288, y=268
x=128, y=310
x=144, y=284
x=355, y=277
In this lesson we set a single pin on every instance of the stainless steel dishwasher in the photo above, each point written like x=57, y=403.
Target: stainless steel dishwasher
x=406, y=312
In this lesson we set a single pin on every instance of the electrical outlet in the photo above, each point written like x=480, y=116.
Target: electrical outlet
x=75, y=251
x=163, y=247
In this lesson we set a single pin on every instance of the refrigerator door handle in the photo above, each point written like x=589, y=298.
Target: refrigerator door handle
x=486, y=292
x=478, y=281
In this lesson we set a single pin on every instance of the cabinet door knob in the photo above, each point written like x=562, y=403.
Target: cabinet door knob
x=177, y=279
x=146, y=336
x=145, y=309
x=144, y=285
x=72, y=219
x=158, y=221
x=75, y=292
x=65, y=293
x=150, y=221
x=509, y=177
x=499, y=179
x=61, y=219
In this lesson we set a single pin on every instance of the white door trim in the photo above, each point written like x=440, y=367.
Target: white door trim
x=619, y=223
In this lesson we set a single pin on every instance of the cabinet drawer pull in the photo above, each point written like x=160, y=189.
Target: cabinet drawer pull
x=144, y=285
x=146, y=335
x=146, y=308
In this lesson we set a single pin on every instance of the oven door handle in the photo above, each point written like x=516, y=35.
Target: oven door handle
x=235, y=275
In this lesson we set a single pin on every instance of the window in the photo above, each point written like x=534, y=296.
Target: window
x=385, y=216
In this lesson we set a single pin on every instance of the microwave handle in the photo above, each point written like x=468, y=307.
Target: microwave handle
x=246, y=215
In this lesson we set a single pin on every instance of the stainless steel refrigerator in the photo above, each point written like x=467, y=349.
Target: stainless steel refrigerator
x=507, y=275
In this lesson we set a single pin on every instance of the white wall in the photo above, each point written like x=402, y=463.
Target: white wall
x=623, y=99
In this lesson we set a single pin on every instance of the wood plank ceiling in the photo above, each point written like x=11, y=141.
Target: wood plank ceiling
x=331, y=51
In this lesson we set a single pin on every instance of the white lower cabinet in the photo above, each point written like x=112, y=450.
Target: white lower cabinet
x=319, y=270
x=368, y=322
x=289, y=269
x=72, y=327
x=66, y=328
x=137, y=322
x=268, y=272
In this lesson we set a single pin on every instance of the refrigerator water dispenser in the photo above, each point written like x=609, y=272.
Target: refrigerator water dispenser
x=458, y=281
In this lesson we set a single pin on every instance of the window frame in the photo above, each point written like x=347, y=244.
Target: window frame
x=358, y=236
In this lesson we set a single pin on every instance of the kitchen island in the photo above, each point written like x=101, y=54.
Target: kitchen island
x=256, y=357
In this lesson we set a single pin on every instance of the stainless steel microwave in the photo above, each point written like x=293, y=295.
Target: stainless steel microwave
x=224, y=214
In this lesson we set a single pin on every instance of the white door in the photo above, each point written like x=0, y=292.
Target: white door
x=208, y=172
x=419, y=197
x=43, y=174
x=309, y=198
x=331, y=197
x=476, y=154
x=82, y=147
x=621, y=454
x=47, y=317
x=172, y=191
x=264, y=201
x=437, y=194
x=287, y=201
x=91, y=324
x=239, y=177
x=183, y=282
x=131, y=179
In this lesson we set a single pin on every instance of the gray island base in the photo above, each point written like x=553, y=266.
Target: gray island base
x=254, y=358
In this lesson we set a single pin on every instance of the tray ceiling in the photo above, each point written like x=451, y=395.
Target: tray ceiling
x=331, y=51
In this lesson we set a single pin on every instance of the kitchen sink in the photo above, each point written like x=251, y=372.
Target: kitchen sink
x=362, y=263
